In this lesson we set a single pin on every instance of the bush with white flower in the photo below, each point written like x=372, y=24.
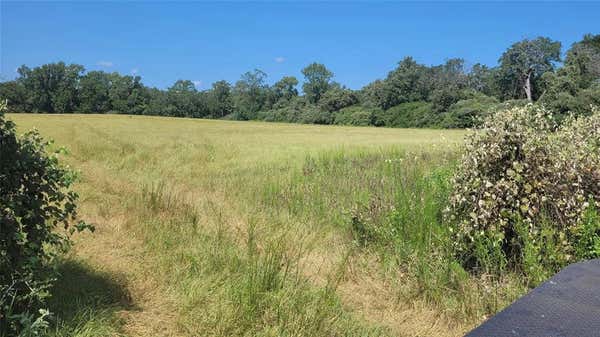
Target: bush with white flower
x=526, y=192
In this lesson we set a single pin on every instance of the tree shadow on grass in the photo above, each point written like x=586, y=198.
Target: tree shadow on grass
x=86, y=302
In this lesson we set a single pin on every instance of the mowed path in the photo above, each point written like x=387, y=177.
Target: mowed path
x=116, y=249
x=203, y=163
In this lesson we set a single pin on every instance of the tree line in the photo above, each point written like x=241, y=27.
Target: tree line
x=449, y=95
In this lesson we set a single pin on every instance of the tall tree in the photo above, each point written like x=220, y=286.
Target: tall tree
x=183, y=97
x=127, y=94
x=16, y=95
x=250, y=92
x=317, y=81
x=584, y=58
x=524, y=63
x=93, y=92
x=220, y=101
x=450, y=74
x=409, y=82
x=285, y=88
x=447, y=82
x=575, y=87
x=483, y=79
x=51, y=87
x=158, y=103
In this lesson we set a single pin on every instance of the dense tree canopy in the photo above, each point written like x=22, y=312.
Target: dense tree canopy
x=51, y=87
x=524, y=63
x=182, y=99
x=93, y=92
x=251, y=94
x=411, y=95
x=220, y=102
x=284, y=90
x=317, y=82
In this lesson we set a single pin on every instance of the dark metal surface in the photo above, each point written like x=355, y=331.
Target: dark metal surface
x=567, y=305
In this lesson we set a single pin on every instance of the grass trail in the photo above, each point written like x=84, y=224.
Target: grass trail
x=228, y=228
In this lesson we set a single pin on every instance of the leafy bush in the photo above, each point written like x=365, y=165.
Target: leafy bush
x=313, y=115
x=355, y=115
x=299, y=111
x=35, y=200
x=524, y=191
x=408, y=115
x=469, y=112
x=16, y=95
x=564, y=103
x=279, y=115
x=442, y=98
x=337, y=98
x=513, y=103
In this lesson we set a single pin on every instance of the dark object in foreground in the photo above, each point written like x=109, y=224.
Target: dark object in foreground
x=567, y=305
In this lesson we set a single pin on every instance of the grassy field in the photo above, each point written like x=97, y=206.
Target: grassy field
x=217, y=228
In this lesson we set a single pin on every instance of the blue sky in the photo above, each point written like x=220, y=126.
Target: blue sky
x=206, y=42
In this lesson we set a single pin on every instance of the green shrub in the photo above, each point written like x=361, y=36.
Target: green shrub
x=311, y=114
x=337, y=98
x=468, y=112
x=513, y=103
x=408, y=115
x=441, y=99
x=298, y=111
x=279, y=115
x=355, y=115
x=523, y=190
x=35, y=201
x=587, y=235
x=564, y=103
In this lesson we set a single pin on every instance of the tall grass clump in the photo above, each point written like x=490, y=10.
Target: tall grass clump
x=36, y=204
x=526, y=194
x=399, y=220
x=249, y=284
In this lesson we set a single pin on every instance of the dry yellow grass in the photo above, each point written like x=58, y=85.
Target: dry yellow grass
x=187, y=210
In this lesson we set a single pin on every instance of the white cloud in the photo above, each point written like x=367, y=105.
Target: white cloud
x=134, y=71
x=104, y=63
x=197, y=83
x=279, y=59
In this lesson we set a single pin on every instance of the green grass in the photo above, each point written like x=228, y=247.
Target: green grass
x=262, y=229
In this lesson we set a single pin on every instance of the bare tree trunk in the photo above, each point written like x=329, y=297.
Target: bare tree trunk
x=527, y=84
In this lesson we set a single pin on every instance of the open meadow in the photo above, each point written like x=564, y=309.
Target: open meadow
x=244, y=169
x=223, y=228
